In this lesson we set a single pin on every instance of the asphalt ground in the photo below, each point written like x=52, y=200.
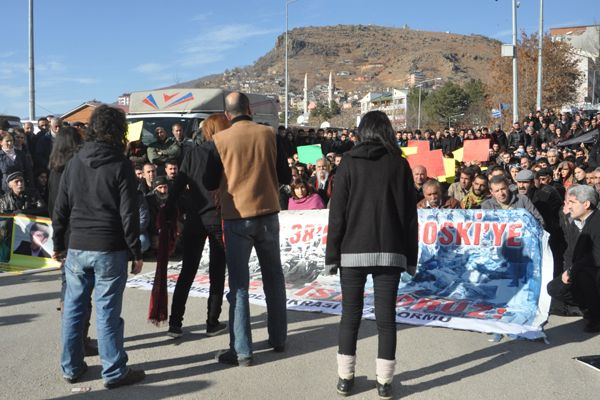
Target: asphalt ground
x=433, y=363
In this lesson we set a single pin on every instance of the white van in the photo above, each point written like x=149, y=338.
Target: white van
x=189, y=107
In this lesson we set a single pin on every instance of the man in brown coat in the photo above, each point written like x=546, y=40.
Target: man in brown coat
x=244, y=163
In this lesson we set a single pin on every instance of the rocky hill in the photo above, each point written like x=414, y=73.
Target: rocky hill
x=362, y=58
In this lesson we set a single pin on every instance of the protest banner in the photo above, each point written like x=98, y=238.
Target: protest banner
x=309, y=154
x=134, y=131
x=31, y=245
x=478, y=270
x=476, y=150
x=421, y=145
x=433, y=161
x=409, y=151
x=450, y=171
x=5, y=237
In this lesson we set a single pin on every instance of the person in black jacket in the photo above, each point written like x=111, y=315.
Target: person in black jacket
x=372, y=230
x=202, y=221
x=579, y=284
x=97, y=201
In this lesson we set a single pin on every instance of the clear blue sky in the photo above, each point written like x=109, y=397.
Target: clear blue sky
x=100, y=49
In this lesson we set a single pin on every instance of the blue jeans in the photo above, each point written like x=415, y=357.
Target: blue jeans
x=104, y=272
x=241, y=235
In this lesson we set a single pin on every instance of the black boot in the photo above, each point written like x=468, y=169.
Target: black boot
x=344, y=386
x=384, y=390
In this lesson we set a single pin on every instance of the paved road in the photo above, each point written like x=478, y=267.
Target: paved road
x=433, y=363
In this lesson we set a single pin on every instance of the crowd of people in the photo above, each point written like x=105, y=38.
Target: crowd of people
x=227, y=184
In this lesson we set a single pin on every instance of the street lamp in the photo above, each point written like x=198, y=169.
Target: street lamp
x=419, y=110
x=454, y=116
x=287, y=3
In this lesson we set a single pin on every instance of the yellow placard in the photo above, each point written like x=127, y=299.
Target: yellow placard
x=409, y=151
x=134, y=131
x=459, y=154
x=449, y=168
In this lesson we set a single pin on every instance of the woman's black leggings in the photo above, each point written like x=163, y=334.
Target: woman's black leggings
x=385, y=280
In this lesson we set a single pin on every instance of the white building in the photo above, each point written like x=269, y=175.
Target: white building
x=393, y=103
x=586, y=42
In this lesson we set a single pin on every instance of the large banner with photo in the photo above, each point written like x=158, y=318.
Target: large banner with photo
x=26, y=244
x=478, y=270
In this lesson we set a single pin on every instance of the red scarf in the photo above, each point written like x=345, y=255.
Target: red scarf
x=167, y=229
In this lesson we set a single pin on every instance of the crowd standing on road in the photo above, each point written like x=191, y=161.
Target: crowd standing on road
x=230, y=180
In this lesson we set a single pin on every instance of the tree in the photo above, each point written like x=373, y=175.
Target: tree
x=561, y=76
x=447, y=102
x=477, y=112
x=323, y=112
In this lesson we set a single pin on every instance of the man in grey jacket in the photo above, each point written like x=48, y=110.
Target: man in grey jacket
x=503, y=199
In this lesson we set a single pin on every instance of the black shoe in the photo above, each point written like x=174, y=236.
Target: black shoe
x=277, y=349
x=175, y=332
x=89, y=348
x=75, y=378
x=384, y=390
x=592, y=327
x=344, y=386
x=230, y=358
x=215, y=329
x=132, y=376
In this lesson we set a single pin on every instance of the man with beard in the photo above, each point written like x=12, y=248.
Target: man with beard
x=459, y=190
x=503, y=199
x=477, y=194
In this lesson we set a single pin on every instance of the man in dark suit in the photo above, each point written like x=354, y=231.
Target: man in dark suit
x=38, y=236
x=580, y=283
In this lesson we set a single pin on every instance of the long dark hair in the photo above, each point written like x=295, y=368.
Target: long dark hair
x=375, y=127
x=67, y=142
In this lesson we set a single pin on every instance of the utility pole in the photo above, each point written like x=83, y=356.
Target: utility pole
x=515, y=73
x=287, y=3
x=31, y=66
x=540, y=45
x=514, y=63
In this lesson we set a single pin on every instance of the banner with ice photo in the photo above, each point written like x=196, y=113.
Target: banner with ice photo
x=478, y=270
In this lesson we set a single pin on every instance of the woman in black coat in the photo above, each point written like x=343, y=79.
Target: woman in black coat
x=372, y=230
x=12, y=160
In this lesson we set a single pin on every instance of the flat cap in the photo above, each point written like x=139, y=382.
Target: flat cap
x=525, y=175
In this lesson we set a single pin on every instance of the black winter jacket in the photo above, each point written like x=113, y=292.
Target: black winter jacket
x=97, y=199
x=199, y=200
x=373, y=212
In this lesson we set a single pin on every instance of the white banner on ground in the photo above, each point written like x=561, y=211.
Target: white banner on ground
x=481, y=271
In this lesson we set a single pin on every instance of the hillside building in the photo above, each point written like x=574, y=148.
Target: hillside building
x=586, y=42
x=393, y=103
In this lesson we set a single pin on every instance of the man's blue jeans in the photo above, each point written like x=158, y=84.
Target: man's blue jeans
x=106, y=273
x=241, y=235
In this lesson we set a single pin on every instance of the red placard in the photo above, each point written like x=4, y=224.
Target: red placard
x=433, y=161
x=476, y=150
x=421, y=145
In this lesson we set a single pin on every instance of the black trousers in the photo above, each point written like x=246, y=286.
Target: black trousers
x=385, y=281
x=584, y=291
x=194, y=237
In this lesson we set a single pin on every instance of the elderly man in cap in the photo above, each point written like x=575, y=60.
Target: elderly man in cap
x=18, y=200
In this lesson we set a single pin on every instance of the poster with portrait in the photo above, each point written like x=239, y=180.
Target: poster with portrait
x=5, y=237
x=31, y=244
